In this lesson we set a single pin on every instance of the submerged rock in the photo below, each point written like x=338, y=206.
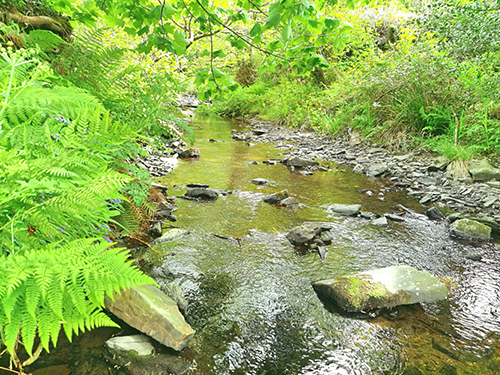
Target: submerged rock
x=175, y=292
x=276, y=197
x=303, y=234
x=189, y=153
x=170, y=235
x=139, y=344
x=202, y=193
x=260, y=181
x=301, y=163
x=382, y=288
x=345, y=209
x=152, y=312
x=289, y=202
x=470, y=230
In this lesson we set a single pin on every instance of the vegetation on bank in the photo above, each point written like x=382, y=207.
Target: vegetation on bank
x=77, y=110
x=412, y=74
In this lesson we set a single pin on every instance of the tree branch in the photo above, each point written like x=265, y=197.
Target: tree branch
x=239, y=35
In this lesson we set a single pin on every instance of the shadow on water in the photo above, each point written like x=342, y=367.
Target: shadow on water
x=251, y=300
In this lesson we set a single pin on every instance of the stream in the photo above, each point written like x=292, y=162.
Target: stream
x=250, y=296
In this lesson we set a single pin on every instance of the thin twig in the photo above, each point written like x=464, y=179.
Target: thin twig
x=8, y=369
x=212, y=56
x=239, y=35
x=143, y=242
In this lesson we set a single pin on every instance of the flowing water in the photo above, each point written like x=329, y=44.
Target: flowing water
x=251, y=300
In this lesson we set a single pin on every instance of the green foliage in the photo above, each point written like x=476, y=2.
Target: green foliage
x=59, y=190
x=125, y=89
x=56, y=286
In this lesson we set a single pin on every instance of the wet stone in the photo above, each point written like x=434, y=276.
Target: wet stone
x=433, y=213
x=470, y=230
x=301, y=163
x=260, y=181
x=380, y=221
x=139, y=344
x=345, y=209
x=303, y=234
x=474, y=256
x=289, y=202
x=202, y=193
x=394, y=217
x=382, y=288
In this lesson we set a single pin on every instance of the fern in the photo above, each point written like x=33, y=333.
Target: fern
x=58, y=177
x=83, y=271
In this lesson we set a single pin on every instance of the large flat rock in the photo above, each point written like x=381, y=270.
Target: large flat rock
x=152, y=312
x=384, y=287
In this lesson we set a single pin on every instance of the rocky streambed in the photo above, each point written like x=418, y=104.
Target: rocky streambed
x=247, y=273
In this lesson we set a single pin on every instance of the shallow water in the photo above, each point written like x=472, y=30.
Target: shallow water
x=251, y=300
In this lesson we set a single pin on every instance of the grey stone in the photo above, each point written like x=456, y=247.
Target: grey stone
x=428, y=181
x=170, y=235
x=494, y=184
x=380, y=221
x=470, y=230
x=377, y=170
x=322, y=252
x=189, y=153
x=438, y=165
x=303, y=233
x=358, y=168
x=195, y=185
x=202, y=193
x=394, y=217
x=345, y=209
x=140, y=344
x=301, y=163
x=489, y=201
x=276, y=197
x=259, y=181
x=474, y=256
x=175, y=292
x=289, y=202
x=427, y=198
x=152, y=312
x=433, y=213
x=385, y=287
x=482, y=170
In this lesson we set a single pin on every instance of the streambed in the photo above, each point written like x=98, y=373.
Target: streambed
x=250, y=296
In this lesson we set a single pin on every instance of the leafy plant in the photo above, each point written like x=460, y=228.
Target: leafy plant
x=59, y=190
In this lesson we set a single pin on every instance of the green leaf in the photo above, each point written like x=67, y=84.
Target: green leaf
x=332, y=23
x=256, y=30
x=286, y=33
x=274, y=17
x=219, y=53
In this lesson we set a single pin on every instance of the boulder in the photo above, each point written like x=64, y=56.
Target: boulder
x=175, y=292
x=140, y=344
x=289, y=202
x=304, y=233
x=301, y=163
x=152, y=312
x=433, y=213
x=170, y=235
x=380, y=221
x=471, y=230
x=377, y=170
x=276, y=197
x=345, y=209
x=202, y=193
x=189, y=153
x=260, y=181
x=382, y=288
x=482, y=170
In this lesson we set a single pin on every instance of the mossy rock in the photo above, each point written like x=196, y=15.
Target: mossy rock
x=382, y=288
x=470, y=230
